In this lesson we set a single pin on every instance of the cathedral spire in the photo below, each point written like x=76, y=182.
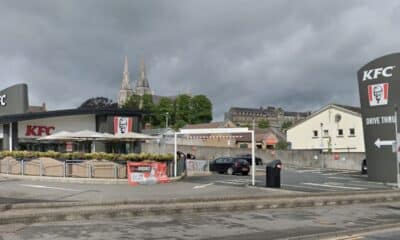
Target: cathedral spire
x=125, y=92
x=142, y=84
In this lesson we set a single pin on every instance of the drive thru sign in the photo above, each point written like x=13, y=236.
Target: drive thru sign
x=379, y=85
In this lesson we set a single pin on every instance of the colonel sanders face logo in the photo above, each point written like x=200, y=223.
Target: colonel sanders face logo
x=378, y=94
x=123, y=125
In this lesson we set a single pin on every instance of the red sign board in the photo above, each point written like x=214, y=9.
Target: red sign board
x=38, y=131
x=68, y=147
x=122, y=125
x=147, y=173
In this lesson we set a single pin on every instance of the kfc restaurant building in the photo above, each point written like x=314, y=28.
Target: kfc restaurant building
x=22, y=129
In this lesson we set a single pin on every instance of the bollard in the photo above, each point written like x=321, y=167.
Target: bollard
x=22, y=167
x=115, y=171
x=40, y=168
x=90, y=170
x=65, y=168
x=8, y=166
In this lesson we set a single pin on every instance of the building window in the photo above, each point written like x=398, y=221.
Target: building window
x=315, y=133
x=340, y=132
x=352, y=132
x=326, y=133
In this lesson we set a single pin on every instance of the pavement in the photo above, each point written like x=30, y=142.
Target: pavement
x=306, y=180
x=299, y=223
x=217, y=186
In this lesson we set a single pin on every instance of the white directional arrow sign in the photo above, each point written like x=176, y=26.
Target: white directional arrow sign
x=379, y=143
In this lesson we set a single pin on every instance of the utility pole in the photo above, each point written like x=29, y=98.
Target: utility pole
x=166, y=119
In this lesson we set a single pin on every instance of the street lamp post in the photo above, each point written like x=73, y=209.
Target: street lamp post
x=322, y=147
x=166, y=119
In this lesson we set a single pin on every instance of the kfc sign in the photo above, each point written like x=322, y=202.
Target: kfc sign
x=122, y=125
x=375, y=73
x=378, y=94
x=38, y=131
x=3, y=100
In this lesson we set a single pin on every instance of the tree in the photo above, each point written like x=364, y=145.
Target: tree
x=164, y=109
x=201, y=108
x=263, y=124
x=133, y=102
x=147, y=105
x=98, y=102
x=183, y=108
x=179, y=124
x=286, y=125
x=282, y=145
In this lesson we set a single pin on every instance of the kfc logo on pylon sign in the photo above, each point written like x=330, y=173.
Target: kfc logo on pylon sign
x=3, y=100
x=122, y=125
x=38, y=131
x=378, y=94
x=375, y=73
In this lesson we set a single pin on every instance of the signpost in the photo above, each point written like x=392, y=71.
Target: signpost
x=379, y=85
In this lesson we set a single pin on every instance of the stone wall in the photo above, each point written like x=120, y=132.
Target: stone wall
x=296, y=158
x=58, y=168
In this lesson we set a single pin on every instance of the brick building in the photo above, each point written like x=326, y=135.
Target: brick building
x=275, y=116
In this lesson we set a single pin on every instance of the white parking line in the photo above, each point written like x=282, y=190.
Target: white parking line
x=309, y=171
x=336, y=173
x=332, y=186
x=305, y=187
x=47, y=187
x=203, y=186
x=232, y=183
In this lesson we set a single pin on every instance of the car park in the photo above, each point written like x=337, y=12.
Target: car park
x=247, y=157
x=230, y=165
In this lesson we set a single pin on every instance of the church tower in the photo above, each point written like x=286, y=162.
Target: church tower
x=126, y=91
x=142, y=84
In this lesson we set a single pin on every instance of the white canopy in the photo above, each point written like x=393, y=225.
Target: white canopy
x=133, y=136
x=80, y=135
x=63, y=135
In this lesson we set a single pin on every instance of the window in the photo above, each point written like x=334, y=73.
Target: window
x=352, y=132
x=326, y=133
x=340, y=132
x=315, y=133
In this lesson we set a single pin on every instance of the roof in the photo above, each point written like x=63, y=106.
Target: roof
x=350, y=108
x=210, y=125
x=346, y=108
x=268, y=110
x=68, y=112
x=36, y=109
x=259, y=137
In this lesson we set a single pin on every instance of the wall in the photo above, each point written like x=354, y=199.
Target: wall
x=64, y=123
x=297, y=158
x=301, y=136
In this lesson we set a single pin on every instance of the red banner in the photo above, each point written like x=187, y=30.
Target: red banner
x=147, y=173
x=122, y=125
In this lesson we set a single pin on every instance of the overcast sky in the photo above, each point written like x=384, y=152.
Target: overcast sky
x=299, y=55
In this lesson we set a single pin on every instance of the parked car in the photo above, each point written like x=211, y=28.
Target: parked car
x=248, y=158
x=230, y=165
x=364, y=167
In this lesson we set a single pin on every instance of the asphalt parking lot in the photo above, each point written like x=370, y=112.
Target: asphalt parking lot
x=299, y=180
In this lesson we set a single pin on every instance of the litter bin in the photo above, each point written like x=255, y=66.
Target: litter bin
x=273, y=178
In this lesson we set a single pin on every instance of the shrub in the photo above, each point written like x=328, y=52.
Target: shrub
x=89, y=156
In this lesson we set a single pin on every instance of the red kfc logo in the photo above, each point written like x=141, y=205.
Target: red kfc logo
x=38, y=131
x=378, y=94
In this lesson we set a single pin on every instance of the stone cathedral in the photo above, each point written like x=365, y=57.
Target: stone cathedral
x=142, y=84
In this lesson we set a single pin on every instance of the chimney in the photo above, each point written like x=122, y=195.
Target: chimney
x=44, y=107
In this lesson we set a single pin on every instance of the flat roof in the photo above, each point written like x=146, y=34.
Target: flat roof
x=68, y=112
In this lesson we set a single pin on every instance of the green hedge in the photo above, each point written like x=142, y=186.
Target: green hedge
x=88, y=156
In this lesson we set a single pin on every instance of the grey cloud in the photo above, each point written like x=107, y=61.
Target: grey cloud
x=299, y=55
